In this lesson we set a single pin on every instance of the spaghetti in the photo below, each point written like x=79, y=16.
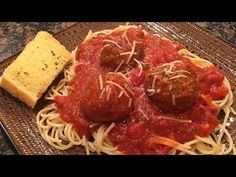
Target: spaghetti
x=62, y=134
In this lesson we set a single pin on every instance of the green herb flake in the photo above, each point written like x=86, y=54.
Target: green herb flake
x=43, y=69
x=53, y=54
x=56, y=63
x=26, y=73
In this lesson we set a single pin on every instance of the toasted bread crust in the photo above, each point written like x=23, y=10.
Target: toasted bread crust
x=29, y=76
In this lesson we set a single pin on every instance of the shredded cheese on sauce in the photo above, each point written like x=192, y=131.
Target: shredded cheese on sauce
x=126, y=38
x=88, y=36
x=173, y=100
x=168, y=64
x=121, y=93
x=132, y=52
x=119, y=86
x=127, y=53
x=122, y=75
x=140, y=110
x=177, y=76
x=150, y=90
x=182, y=71
x=154, y=82
x=129, y=89
x=158, y=90
x=109, y=93
x=113, y=42
x=130, y=102
x=140, y=67
x=142, y=95
x=118, y=67
x=104, y=48
x=174, y=119
x=103, y=90
x=100, y=82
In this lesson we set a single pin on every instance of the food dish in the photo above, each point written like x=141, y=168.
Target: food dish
x=147, y=116
x=19, y=120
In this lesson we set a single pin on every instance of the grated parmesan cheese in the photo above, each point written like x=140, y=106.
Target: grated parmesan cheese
x=132, y=52
x=178, y=76
x=118, y=67
x=100, y=82
x=113, y=42
x=140, y=110
x=173, y=100
x=119, y=86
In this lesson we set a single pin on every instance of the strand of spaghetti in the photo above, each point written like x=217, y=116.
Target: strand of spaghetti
x=95, y=134
x=65, y=129
x=85, y=144
x=204, y=148
x=230, y=101
x=99, y=141
x=76, y=135
x=59, y=142
x=91, y=147
x=54, y=124
x=52, y=134
x=62, y=135
x=171, y=143
x=108, y=130
x=207, y=140
x=71, y=136
x=91, y=35
x=222, y=149
x=214, y=136
x=229, y=139
x=57, y=135
x=192, y=149
x=233, y=111
x=172, y=152
x=50, y=137
x=41, y=123
x=221, y=103
x=107, y=143
x=189, y=143
x=234, y=150
x=88, y=36
x=227, y=111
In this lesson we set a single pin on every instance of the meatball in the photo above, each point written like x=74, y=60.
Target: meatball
x=172, y=87
x=115, y=52
x=109, y=101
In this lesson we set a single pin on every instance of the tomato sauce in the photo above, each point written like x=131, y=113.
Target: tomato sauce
x=137, y=134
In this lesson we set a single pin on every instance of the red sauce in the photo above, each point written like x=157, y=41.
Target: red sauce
x=136, y=135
